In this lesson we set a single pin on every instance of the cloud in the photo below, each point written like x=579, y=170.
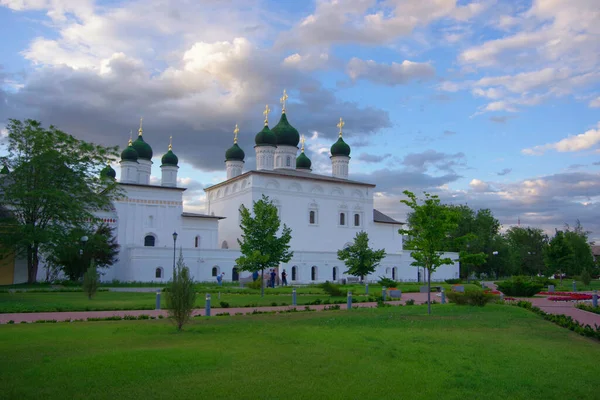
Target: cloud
x=501, y=119
x=579, y=142
x=505, y=171
x=308, y=62
x=480, y=186
x=431, y=158
x=449, y=133
x=373, y=158
x=388, y=74
x=595, y=103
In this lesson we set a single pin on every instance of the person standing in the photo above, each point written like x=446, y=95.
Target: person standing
x=284, y=278
x=220, y=279
x=273, y=276
x=255, y=276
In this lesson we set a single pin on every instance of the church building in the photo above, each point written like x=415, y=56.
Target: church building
x=324, y=212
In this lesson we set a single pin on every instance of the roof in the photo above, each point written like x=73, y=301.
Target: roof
x=152, y=186
x=292, y=173
x=380, y=217
x=596, y=250
x=192, y=215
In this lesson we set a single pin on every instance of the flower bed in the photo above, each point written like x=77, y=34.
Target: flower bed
x=557, y=293
x=571, y=297
x=492, y=292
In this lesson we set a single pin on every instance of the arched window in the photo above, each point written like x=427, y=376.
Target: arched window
x=224, y=245
x=342, y=219
x=394, y=273
x=335, y=274
x=311, y=217
x=149, y=241
x=313, y=273
x=288, y=161
x=197, y=242
x=356, y=219
x=158, y=274
x=215, y=271
x=294, y=273
x=235, y=275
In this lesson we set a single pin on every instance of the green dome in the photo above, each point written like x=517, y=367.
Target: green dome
x=170, y=158
x=129, y=154
x=303, y=162
x=234, y=153
x=265, y=137
x=143, y=149
x=285, y=133
x=4, y=170
x=108, y=172
x=340, y=148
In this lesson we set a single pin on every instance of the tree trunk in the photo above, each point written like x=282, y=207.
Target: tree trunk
x=262, y=282
x=32, y=263
x=428, y=291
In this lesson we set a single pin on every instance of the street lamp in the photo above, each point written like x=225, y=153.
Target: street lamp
x=84, y=240
x=174, y=245
x=495, y=253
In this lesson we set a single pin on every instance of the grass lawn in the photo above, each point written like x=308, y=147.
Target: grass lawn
x=496, y=352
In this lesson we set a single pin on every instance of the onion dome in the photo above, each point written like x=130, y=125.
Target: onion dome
x=108, y=172
x=265, y=137
x=340, y=148
x=169, y=158
x=143, y=149
x=285, y=133
x=235, y=153
x=4, y=171
x=129, y=154
x=303, y=162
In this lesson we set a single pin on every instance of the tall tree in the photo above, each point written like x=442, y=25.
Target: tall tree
x=360, y=259
x=527, y=246
x=54, y=184
x=430, y=224
x=72, y=256
x=260, y=246
x=569, y=252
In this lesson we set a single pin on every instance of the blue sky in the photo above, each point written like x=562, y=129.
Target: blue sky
x=490, y=103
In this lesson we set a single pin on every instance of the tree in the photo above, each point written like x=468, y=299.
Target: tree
x=569, y=252
x=360, y=259
x=91, y=281
x=430, y=224
x=558, y=255
x=54, y=184
x=585, y=277
x=260, y=246
x=72, y=257
x=181, y=295
x=527, y=247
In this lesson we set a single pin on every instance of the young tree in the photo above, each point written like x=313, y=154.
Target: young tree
x=360, y=259
x=430, y=225
x=181, y=295
x=585, y=277
x=260, y=246
x=72, y=256
x=91, y=281
x=54, y=184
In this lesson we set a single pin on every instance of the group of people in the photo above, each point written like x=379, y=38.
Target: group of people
x=272, y=277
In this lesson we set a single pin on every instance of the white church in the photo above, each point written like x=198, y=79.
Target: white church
x=324, y=213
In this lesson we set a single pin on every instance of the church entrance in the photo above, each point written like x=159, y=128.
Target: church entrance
x=235, y=275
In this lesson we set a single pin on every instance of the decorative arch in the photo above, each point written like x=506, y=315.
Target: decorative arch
x=227, y=190
x=219, y=193
x=314, y=273
x=387, y=271
x=150, y=240
x=159, y=273
x=317, y=189
x=336, y=191
x=236, y=187
x=357, y=193
x=224, y=244
x=272, y=184
x=215, y=270
x=295, y=187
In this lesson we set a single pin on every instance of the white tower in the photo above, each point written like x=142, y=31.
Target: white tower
x=144, y=158
x=340, y=155
x=266, y=143
x=287, y=140
x=169, y=167
x=129, y=164
x=234, y=157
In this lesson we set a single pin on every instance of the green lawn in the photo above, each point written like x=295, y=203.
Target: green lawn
x=496, y=352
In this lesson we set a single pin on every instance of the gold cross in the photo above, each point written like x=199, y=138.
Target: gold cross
x=140, y=130
x=130, y=136
x=235, y=133
x=170, y=142
x=302, y=140
x=341, y=125
x=283, y=100
x=266, y=114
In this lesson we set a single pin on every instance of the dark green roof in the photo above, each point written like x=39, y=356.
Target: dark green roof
x=285, y=133
x=234, y=153
x=108, y=172
x=303, y=162
x=129, y=154
x=265, y=137
x=340, y=148
x=143, y=149
x=4, y=170
x=170, y=158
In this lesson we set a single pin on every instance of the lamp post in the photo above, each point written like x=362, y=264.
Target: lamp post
x=495, y=253
x=174, y=246
x=84, y=240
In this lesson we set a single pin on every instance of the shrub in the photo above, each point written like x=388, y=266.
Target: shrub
x=520, y=286
x=332, y=289
x=91, y=281
x=181, y=295
x=457, y=298
x=585, y=277
x=410, y=302
x=254, y=284
x=452, y=281
x=387, y=282
x=274, y=304
x=224, y=304
x=471, y=297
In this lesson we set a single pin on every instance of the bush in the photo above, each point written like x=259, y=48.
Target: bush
x=224, y=304
x=387, y=282
x=254, y=284
x=452, y=281
x=471, y=297
x=91, y=281
x=410, y=302
x=332, y=289
x=585, y=277
x=520, y=286
x=181, y=295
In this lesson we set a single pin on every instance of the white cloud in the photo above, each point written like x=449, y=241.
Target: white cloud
x=480, y=186
x=575, y=143
x=595, y=103
x=388, y=74
x=307, y=62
